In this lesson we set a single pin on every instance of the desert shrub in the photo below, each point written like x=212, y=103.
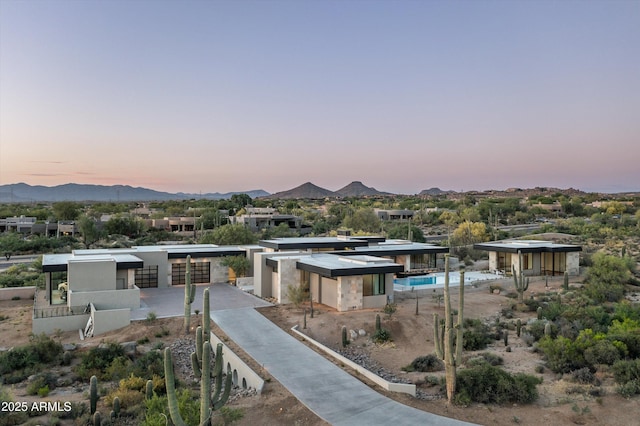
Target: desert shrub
x=149, y=364
x=22, y=361
x=629, y=389
x=583, y=376
x=485, y=358
x=157, y=409
x=562, y=354
x=128, y=397
x=77, y=410
x=476, y=335
x=536, y=329
x=297, y=294
x=606, y=278
x=626, y=370
x=230, y=415
x=426, y=364
x=489, y=384
x=39, y=381
x=381, y=336
x=604, y=352
x=390, y=309
x=97, y=360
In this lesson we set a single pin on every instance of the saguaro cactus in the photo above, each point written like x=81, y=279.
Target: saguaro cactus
x=444, y=334
x=565, y=282
x=189, y=296
x=201, y=362
x=93, y=393
x=519, y=280
x=149, y=390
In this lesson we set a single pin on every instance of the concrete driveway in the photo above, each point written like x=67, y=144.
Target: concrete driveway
x=169, y=302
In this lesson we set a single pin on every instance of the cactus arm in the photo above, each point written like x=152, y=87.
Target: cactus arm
x=187, y=296
x=206, y=316
x=460, y=328
x=225, y=395
x=205, y=385
x=437, y=336
x=195, y=365
x=170, y=383
x=199, y=341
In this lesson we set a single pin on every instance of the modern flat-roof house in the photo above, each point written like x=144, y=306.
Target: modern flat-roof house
x=103, y=285
x=344, y=272
x=539, y=257
x=259, y=218
x=110, y=279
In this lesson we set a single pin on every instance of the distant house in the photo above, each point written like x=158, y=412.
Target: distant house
x=538, y=257
x=259, y=218
x=397, y=214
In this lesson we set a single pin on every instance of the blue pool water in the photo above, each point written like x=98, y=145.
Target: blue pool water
x=417, y=280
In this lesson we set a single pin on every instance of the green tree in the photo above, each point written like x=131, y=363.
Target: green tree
x=401, y=231
x=607, y=277
x=470, y=232
x=239, y=264
x=363, y=220
x=229, y=235
x=66, y=210
x=10, y=243
x=241, y=200
x=89, y=230
x=123, y=225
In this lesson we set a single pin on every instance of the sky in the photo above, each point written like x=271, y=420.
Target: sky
x=221, y=96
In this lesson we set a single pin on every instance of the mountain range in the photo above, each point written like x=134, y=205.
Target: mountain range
x=22, y=192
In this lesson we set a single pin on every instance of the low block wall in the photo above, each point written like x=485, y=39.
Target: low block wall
x=67, y=323
x=393, y=387
x=107, y=299
x=21, y=292
x=105, y=320
x=243, y=375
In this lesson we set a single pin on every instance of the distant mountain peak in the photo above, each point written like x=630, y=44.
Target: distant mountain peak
x=358, y=189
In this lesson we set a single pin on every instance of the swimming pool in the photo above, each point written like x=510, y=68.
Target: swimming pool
x=437, y=279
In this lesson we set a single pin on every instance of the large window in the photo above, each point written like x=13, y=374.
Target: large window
x=423, y=261
x=373, y=285
x=147, y=277
x=200, y=273
x=58, y=296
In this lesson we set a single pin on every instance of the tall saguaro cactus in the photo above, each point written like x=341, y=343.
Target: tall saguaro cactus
x=189, y=296
x=201, y=363
x=519, y=280
x=445, y=332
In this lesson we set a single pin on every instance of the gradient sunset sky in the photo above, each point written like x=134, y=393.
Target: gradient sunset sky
x=205, y=96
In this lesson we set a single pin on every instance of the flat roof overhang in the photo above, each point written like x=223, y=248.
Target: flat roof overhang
x=63, y=267
x=390, y=251
x=349, y=271
x=311, y=244
x=559, y=248
x=222, y=252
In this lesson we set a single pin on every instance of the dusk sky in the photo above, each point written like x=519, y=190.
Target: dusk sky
x=206, y=96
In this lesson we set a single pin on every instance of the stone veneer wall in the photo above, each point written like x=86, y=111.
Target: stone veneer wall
x=349, y=295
